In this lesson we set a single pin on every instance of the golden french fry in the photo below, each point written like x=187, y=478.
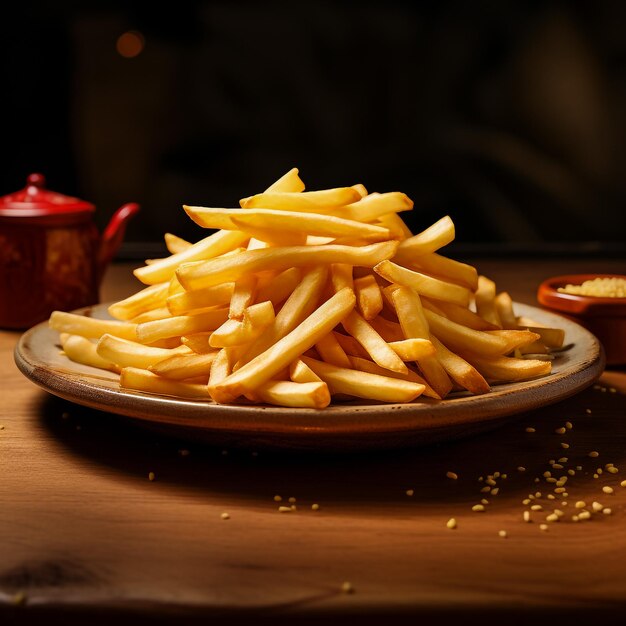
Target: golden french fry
x=369, y=299
x=460, y=338
x=458, y=314
x=151, y=297
x=306, y=201
x=280, y=287
x=182, y=366
x=413, y=349
x=515, y=338
x=175, y=244
x=143, y=380
x=91, y=327
x=331, y=351
x=287, y=221
x=149, y=316
x=127, y=353
x=504, y=309
x=299, y=372
x=363, y=384
x=296, y=309
x=408, y=307
x=81, y=350
x=365, y=365
x=485, y=301
x=197, y=342
x=310, y=395
x=360, y=189
x=460, y=370
x=398, y=229
x=507, y=369
x=446, y=269
x=289, y=182
x=281, y=354
x=235, y=333
x=375, y=206
x=389, y=331
x=551, y=337
x=180, y=325
x=243, y=297
x=208, y=248
x=187, y=302
x=274, y=238
x=423, y=284
x=220, y=369
x=341, y=276
x=373, y=343
x=220, y=270
x=428, y=241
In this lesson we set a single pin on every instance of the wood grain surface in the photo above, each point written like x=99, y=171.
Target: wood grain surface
x=86, y=537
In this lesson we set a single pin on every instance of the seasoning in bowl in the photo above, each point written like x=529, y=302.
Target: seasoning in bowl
x=613, y=287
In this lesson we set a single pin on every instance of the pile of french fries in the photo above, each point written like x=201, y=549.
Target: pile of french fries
x=301, y=297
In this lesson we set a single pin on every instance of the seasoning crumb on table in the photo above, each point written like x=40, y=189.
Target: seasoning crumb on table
x=347, y=587
x=225, y=516
x=452, y=475
x=409, y=492
x=451, y=523
x=503, y=534
x=151, y=476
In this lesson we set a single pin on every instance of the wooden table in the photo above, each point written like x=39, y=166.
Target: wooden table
x=86, y=537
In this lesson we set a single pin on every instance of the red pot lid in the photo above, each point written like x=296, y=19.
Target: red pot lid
x=37, y=201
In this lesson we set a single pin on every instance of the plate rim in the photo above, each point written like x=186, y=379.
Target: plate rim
x=335, y=420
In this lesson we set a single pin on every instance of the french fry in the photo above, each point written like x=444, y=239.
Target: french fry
x=373, y=343
x=198, y=342
x=341, y=276
x=331, y=351
x=187, y=302
x=281, y=354
x=485, y=301
x=507, y=369
x=182, y=366
x=389, y=331
x=412, y=349
x=180, y=325
x=288, y=183
x=408, y=307
x=235, y=333
x=363, y=384
x=220, y=369
x=504, y=310
x=310, y=395
x=423, y=284
x=175, y=244
x=369, y=299
x=296, y=309
x=90, y=327
x=208, y=248
x=551, y=337
x=150, y=316
x=300, y=372
x=145, y=381
x=365, y=365
x=151, y=297
x=460, y=370
x=127, y=353
x=397, y=228
x=227, y=269
x=290, y=221
x=446, y=269
x=459, y=337
x=81, y=350
x=375, y=206
x=459, y=314
x=242, y=297
x=515, y=338
x=280, y=287
x=306, y=201
x=428, y=241
x=360, y=189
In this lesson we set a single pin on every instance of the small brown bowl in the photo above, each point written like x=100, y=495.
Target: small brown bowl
x=604, y=317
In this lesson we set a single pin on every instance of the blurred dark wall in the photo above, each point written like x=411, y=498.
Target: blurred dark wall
x=507, y=116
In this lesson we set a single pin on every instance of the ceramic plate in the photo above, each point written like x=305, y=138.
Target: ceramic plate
x=352, y=425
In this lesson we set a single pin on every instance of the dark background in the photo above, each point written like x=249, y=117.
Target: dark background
x=509, y=116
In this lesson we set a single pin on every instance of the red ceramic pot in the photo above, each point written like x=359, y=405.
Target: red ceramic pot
x=604, y=317
x=51, y=254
